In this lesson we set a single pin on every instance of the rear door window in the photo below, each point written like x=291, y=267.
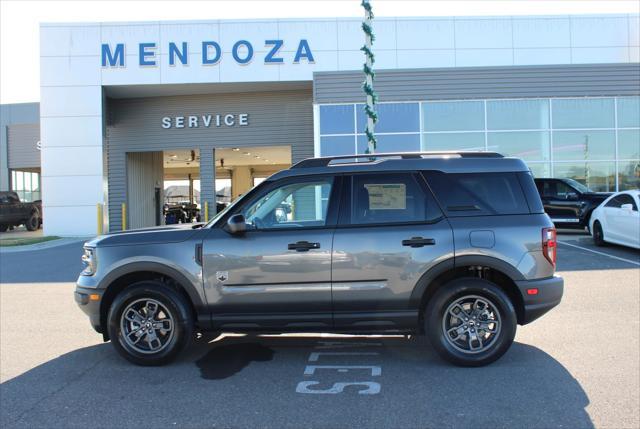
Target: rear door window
x=478, y=194
x=390, y=198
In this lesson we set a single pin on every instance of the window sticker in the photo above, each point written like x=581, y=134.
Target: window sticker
x=387, y=196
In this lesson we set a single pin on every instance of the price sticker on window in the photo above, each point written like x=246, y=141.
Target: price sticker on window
x=387, y=196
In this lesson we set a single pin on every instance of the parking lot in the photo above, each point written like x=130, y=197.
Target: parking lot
x=578, y=366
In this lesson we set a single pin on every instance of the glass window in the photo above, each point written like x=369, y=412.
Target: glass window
x=389, y=198
x=557, y=189
x=583, y=113
x=527, y=145
x=540, y=169
x=294, y=205
x=578, y=145
x=620, y=200
x=337, y=145
x=337, y=119
x=517, y=114
x=18, y=185
x=628, y=144
x=453, y=116
x=392, y=118
x=597, y=176
x=478, y=194
x=392, y=143
x=454, y=141
x=628, y=175
x=629, y=112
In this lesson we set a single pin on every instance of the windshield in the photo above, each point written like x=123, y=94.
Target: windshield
x=577, y=185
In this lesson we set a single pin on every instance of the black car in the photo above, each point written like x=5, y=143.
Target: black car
x=14, y=212
x=567, y=202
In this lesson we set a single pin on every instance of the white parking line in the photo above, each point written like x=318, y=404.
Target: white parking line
x=600, y=253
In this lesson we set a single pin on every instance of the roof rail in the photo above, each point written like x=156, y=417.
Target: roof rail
x=324, y=161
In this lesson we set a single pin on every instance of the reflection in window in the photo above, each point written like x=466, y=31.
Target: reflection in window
x=454, y=141
x=393, y=118
x=597, y=176
x=336, y=119
x=628, y=175
x=527, y=145
x=540, y=169
x=577, y=145
x=453, y=116
x=629, y=144
x=392, y=143
x=629, y=112
x=337, y=145
x=517, y=114
x=26, y=184
x=583, y=113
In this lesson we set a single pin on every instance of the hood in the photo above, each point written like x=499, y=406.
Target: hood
x=154, y=235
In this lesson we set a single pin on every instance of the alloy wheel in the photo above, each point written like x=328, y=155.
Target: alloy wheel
x=471, y=324
x=147, y=326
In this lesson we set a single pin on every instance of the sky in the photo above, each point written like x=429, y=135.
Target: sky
x=20, y=19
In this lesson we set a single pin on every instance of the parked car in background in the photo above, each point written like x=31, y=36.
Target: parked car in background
x=617, y=220
x=13, y=212
x=568, y=203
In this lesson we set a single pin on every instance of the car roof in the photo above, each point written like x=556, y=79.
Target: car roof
x=447, y=162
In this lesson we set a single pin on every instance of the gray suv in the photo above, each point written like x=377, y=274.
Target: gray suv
x=454, y=246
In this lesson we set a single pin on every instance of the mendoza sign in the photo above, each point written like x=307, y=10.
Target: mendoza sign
x=242, y=53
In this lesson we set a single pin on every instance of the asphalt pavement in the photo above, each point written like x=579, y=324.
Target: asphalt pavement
x=577, y=367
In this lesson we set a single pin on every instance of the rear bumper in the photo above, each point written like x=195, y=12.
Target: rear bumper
x=549, y=295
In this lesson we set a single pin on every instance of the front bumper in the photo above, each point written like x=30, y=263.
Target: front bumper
x=91, y=307
x=549, y=295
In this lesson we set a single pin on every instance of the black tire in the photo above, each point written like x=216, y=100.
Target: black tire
x=33, y=222
x=460, y=289
x=598, y=234
x=3, y=227
x=179, y=311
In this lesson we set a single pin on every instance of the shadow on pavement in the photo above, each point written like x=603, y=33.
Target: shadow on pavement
x=53, y=265
x=256, y=386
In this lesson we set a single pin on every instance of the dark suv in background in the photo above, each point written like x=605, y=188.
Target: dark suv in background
x=455, y=246
x=568, y=203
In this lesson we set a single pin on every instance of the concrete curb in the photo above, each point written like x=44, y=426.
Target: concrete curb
x=42, y=246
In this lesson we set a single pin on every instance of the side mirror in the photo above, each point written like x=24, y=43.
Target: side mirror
x=236, y=224
x=627, y=207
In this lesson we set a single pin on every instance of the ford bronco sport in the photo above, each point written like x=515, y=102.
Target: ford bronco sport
x=455, y=246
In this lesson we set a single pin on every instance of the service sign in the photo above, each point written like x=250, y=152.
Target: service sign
x=206, y=121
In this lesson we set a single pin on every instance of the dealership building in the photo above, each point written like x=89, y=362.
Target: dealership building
x=128, y=108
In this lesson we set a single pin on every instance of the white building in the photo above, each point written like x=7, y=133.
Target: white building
x=127, y=106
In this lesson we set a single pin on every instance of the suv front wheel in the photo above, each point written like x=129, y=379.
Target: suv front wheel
x=150, y=323
x=470, y=322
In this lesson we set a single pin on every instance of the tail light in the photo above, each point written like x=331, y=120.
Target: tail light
x=549, y=244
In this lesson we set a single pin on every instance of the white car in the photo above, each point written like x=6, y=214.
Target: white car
x=617, y=220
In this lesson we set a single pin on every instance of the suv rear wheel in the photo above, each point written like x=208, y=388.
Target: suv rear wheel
x=150, y=323
x=470, y=322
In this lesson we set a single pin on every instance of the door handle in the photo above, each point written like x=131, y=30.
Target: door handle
x=303, y=246
x=418, y=242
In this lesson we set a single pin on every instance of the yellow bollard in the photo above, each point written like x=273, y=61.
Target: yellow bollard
x=99, y=217
x=124, y=216
x=206, y=211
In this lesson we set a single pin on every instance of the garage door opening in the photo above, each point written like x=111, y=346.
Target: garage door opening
x=182, y=202
x=239, y=169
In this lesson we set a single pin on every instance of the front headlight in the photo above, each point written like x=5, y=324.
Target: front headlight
x=89, y=260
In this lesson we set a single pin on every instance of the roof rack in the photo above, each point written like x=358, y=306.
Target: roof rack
x=324, y=161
